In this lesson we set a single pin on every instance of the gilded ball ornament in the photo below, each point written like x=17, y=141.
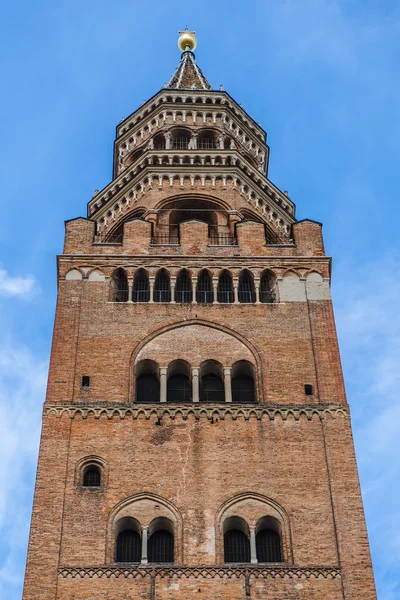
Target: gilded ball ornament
x=187, y=40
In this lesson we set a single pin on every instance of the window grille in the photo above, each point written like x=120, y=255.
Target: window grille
x=217, y=238
x=162, y=288
x=204, y=294
x=147, y=388
x=246, y=291
x=179, y=388
x=212, y=388
x=180, y=143
x=225, y=287
x=141, y=289
x=161, y=547
x=267, y=288
x=120, y=286
x=206, y=143
x=92, y=477
x=166, y=235
x=183, y=288
x=242, y=388
x=268, y=545
x=236, y=547
x=128, y=548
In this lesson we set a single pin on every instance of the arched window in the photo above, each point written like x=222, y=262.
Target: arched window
x=128, y=544
x=92, y=476
x=243, y=389
x=204, y=293
x=141, y=289
x=206, y=140
x=179, y=385
x=268, y=540
x=162, y=287
x=183, y=287
x=161, y=541
x=147, y=382
x=246, y=291
x=181, y=139
x=211, y=382
x=159, y=142
x=268, y=287
x=119, y=286
x=236, y=541
x=225, y=287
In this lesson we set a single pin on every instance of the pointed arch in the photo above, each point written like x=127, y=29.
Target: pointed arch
x=183, y=287
x=204, y=291
x=141, y=287
x=119, y=286
x=162, y=286
x=225, y=287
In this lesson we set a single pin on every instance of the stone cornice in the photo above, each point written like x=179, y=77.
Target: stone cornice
x=160, y=99
x=202, y=571
x=126, y=181
x=211, y=412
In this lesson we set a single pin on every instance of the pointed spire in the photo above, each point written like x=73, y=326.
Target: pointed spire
x=188, y=75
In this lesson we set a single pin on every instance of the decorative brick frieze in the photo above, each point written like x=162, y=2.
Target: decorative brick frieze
x=212, y=413
x=202, y=572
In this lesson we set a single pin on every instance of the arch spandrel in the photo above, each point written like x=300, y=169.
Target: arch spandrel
x=195, y=344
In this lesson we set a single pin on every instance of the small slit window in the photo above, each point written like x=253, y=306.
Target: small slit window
x=308, y=389
x=85, y=381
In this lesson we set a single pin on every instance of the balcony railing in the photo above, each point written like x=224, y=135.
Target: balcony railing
x=222, y=239
x=171, y=239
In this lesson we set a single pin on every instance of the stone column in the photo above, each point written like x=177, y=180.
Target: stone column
x=130, y=290
x=163, y=384
x=215, y=288
x=194, y=286
x=173, y=291
x=151, y=284
x=228, y=384
x=253, y=548
x=236, y=292
x=257, y=286
x=145, y=531
x=195, y=384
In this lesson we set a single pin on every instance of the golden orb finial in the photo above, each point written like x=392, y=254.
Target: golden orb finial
x=187, y=40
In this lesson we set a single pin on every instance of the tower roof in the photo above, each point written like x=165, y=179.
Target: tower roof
x=188, y=75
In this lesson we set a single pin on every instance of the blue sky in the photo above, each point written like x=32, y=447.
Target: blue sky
x=322, y=78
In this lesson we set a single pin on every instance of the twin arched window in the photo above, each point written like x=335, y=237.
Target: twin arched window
x=134, y=545
x=267, y=545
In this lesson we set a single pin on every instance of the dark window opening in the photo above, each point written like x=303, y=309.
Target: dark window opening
x=161, y=547
x=267, y=288
x=179, y=388
x=204, y=293
x=268, y=545
x=147, y=388
x=225, y=287
x=236, y=547
x=242, y=388
x=308, y=389
x=246, y=291
x=162, y=288
x=119, y=286
x=92, y=477
x=183, y=288
x=212, y=388
x=128, y=547
x=85, y=381
x=141, y=289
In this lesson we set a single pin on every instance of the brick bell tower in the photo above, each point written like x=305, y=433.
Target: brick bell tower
x=196, y=436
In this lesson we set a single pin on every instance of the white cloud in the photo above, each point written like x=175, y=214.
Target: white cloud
x=22, y=389
x=23, y=287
